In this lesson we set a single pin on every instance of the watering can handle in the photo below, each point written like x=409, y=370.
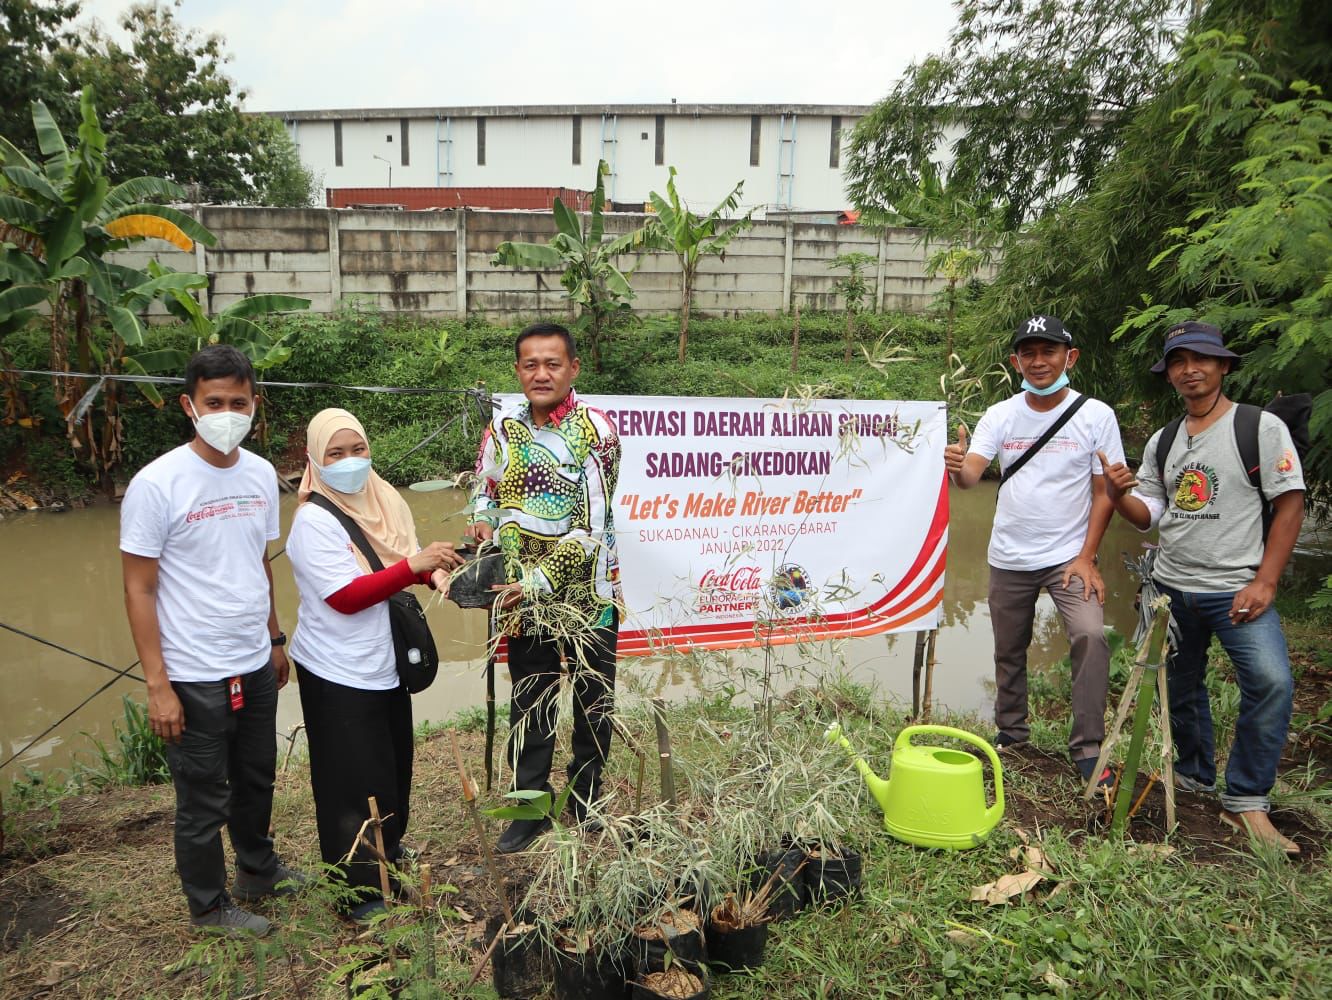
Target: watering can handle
x=996, y=810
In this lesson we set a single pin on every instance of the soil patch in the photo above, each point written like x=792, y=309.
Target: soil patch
x=1043, y=791
x=1313, y=690
x=30, y=907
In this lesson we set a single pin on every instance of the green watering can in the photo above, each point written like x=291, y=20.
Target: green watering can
x=936, y=796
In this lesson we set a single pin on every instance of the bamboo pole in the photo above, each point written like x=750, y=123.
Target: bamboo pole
x=492, y=648
x=637, y=750
x=917, y=664
x=377, y=825
x=664, y=750
x=1155, y=644
x=469, y=802
x=932, y=638
x=427, y=895
x=1112, y=734
x=1167, y=747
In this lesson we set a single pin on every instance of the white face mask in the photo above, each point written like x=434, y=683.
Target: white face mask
x=223, y=431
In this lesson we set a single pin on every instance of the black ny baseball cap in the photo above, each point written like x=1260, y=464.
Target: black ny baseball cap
x=1041, y=327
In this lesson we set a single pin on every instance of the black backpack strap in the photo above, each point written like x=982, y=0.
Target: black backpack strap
x=1247, y=418
x=351, y=527
x=1041, y=442
x=1168, y=434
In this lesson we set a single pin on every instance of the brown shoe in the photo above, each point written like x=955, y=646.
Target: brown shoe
x=1259, y=827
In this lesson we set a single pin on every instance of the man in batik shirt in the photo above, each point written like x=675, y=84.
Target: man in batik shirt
x=546, y=476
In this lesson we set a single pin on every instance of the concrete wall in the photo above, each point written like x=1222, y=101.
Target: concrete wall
x=409, y=263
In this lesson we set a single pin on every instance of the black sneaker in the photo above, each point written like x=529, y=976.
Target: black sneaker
x=249, y=887
x=365, y=913
x=519, y=835
x=1002, y=742
x=231, y=920
x=1085, y=768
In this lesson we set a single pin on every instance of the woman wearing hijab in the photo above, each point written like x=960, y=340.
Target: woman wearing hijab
x=358, y=717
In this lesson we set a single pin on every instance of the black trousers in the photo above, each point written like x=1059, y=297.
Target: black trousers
x=360, y=745
x=534, y=666
x=223, y=770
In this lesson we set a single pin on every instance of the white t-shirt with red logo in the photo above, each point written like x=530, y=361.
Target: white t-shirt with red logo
x=208, y=529
x=1041, y=517
x=355, y=650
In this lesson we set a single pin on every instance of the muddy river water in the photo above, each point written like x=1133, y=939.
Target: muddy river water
x=60, y=580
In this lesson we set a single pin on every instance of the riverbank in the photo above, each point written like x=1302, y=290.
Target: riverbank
x=89, y=905
x=748, y=356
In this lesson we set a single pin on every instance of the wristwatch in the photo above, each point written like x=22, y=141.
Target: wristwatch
x=280, y=639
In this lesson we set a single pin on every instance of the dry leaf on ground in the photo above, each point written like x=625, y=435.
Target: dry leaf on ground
x=1006, y=887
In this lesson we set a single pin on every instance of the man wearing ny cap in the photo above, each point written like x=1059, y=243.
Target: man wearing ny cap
x=1220, y=572
x=1051, y=513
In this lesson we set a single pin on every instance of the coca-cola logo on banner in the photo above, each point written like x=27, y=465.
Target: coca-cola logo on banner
x=733, y=579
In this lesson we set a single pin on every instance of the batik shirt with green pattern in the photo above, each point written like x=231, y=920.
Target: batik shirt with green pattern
x=547, y=493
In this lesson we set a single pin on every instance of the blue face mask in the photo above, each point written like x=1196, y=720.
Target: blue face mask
x=347, y=475
x=1050, y=389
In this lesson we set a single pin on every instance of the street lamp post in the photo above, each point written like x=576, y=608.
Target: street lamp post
x=386, y=163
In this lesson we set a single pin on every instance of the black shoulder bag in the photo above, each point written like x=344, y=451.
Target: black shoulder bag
x=413, y=645
x=1041, y=442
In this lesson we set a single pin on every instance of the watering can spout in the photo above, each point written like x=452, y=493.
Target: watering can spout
x=878, y=786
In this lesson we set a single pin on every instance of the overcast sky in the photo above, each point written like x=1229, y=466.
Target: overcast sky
x=305, y=54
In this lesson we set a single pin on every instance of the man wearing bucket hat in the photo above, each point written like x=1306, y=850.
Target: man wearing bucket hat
x=1051, y=512
x=1220, y=568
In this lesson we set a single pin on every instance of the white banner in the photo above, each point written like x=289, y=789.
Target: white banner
x=745, y=521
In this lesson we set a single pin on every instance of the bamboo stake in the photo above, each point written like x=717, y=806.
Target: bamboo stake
x=1167, y=747
x=1155, y=644
x=469, y=801
x=492, y=648
x=379, y=846
x=480, y=966
x=664, y=750
x=1121, y=713
x=1152, y=779
x=917, y=664
x=427, y=897
x=291, y=740
x=931, y=640
x=637, y=750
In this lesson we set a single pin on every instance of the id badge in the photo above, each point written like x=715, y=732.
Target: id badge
x=237, y=693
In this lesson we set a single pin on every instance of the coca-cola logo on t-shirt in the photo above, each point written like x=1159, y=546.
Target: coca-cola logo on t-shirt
x=209, y=510
x=228, y=507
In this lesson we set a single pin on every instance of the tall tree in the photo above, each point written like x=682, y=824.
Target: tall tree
x=31, y=33
x=171, y=111
x=1028, y=101
x=280, y=179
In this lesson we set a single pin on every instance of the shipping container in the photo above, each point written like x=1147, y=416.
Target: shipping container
x=416, y=199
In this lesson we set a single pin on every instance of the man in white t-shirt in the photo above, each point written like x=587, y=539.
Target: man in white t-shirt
x=1051, y=513
x=194, y=531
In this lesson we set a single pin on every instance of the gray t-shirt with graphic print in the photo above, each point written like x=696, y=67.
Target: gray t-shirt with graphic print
x=1211, y=531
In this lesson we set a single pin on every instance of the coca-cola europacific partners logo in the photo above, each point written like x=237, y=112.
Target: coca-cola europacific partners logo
x=209, y=510
x=733, y=579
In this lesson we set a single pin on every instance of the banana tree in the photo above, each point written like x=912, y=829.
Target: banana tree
x=234, y=325
x=58, y=220
x=591, y=279
x=691, y=238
